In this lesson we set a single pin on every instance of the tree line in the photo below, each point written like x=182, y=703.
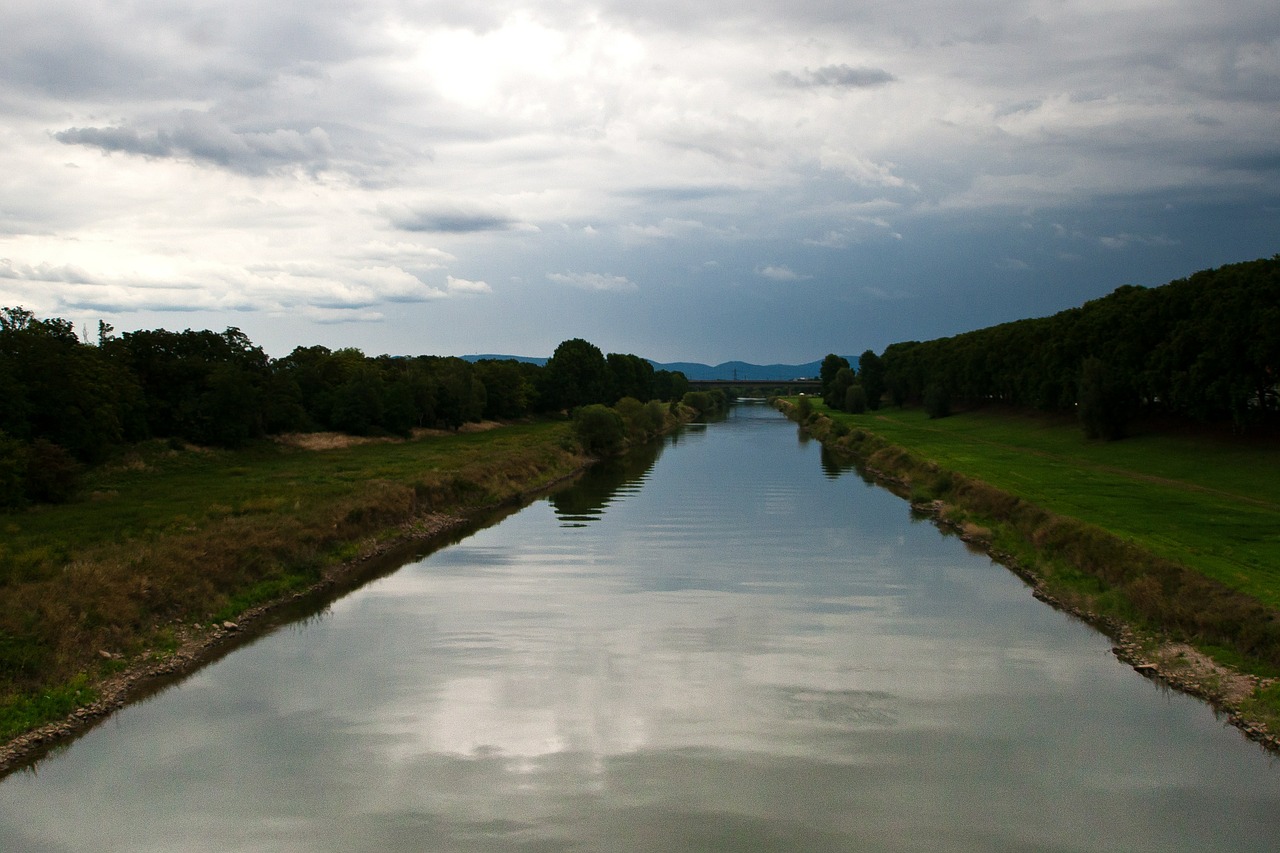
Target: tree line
x=67, y=402
x=1203, y=348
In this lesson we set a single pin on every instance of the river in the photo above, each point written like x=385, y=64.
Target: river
x=729, y=643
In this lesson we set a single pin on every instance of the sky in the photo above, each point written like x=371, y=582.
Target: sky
x=764, y=180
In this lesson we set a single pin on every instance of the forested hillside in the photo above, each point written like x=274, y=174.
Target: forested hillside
x=1203, y=348
x=67, y=403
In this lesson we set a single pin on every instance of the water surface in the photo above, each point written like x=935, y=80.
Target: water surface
x=732, y=644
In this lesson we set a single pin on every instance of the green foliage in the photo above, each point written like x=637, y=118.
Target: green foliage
x=838, y=388
x=509, y=387
x=630, y=376
x=220, y=390
x=205, y=387
x=707, y=403
x=632, y=413
x=56, y=388
x=655, y=416
x=831, y=365
x=642, y=421
x=855, y=400
x=576, y=375
x=871, y=376
x=1203, y=348
x=600, y=429
x=670, y=385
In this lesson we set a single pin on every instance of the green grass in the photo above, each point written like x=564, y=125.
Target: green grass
x=1209, y=502
x=22, y=713
x=151, y=491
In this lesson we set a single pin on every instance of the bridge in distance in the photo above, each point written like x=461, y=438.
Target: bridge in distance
x=788, y=386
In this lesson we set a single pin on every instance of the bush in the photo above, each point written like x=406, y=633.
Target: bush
x=855, y=400
x=599, y=428
x=631, y=411
x=706, y=403
x=53, y=476
x=655, y=416
x=13, y=471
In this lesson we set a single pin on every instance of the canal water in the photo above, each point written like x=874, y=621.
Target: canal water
x=730, y=644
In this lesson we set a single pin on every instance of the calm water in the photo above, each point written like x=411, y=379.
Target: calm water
x=733, y=646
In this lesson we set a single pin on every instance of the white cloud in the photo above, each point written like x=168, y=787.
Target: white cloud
x=1123, y=241
x=462, y=285
x=780, y=273
x=593, y=281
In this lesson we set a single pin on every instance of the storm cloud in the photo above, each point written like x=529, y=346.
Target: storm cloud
x=836, y=76
x=201, y=138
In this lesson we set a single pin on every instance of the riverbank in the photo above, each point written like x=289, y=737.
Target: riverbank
x=1171, y=622
x=218, y=546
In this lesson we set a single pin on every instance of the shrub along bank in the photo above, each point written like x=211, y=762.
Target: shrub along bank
x=1152, y=536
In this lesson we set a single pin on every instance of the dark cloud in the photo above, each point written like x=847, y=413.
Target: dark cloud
x=836, y=77
x=676, y=194
x=44, y=272
x=114, y=139
x=451, y=221
x=198, y=136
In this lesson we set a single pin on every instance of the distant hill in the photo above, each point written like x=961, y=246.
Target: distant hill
x=527, y=359
x=704, y=372
x=742, y=370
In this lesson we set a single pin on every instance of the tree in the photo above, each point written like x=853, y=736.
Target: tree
x=838, y=387
x=508, y=393
x=191, y=381
x=831, y=365
x=460, y=395
x=630, y=376
x=670, y=385
x=56, y=388
x=576, y=375
x=871, y=376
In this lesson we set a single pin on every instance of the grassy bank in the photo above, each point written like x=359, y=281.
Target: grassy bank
x=1173, y=534
x=171, y=539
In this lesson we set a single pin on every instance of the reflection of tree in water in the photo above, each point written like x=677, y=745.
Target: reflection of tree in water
x=835, y=464
x=586, y=499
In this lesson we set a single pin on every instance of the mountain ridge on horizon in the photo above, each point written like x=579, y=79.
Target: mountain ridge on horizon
x=698, y=371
